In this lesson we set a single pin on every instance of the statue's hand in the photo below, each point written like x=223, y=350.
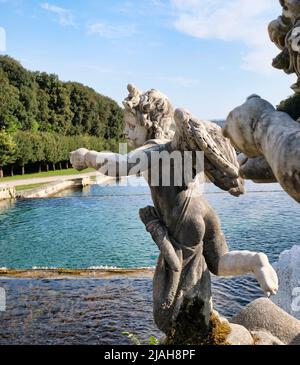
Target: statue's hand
x=153, y=224
x=159, y=233
x=77, y=159
x=148, y=216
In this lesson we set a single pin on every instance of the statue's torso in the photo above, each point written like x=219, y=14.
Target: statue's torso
x=181, y=209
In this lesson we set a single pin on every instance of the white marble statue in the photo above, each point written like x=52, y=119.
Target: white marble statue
x=269, y=138
x=183, y=225
x=288, y=271
x=258, y=130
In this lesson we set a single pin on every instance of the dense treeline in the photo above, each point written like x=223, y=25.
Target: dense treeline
x=42, y=119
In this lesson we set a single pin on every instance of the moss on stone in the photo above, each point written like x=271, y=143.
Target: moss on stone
x=216, y=334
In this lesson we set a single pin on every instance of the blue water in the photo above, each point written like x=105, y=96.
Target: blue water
x=99, y=226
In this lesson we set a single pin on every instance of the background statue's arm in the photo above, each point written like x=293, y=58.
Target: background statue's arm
x=256, y=169
x=160, y=236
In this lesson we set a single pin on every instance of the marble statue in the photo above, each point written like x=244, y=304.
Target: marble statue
x=185, y=228
x=288, y=270
x=269, y=139
x=284, y=32
x=257, y=129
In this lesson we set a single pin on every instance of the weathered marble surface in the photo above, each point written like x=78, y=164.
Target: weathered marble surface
x=285, y=33
x=288, y=271
x=181, y=223
x=257, y=129
x=271, y=139
x=256, y=169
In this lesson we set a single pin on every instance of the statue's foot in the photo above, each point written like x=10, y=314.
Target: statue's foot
x=266, y=275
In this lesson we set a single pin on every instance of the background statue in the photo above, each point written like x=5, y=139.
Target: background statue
x=185, y=228
x=257, y=129
x=285, y=33
x=269, y=138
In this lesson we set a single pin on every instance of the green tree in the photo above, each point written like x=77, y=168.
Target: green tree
x=24, y=150
x=7, y=148
x=24, y=81
x=38, y=149
x=52, y=152
x=49, y=118
x=9, y=104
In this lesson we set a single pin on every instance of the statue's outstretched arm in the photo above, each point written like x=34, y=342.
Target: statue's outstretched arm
x=114, y=164
x=223, y=263
x=160, y=236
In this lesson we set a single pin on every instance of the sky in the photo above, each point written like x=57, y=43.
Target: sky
x=205, y=55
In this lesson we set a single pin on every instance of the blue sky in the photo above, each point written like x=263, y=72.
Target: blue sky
x=205, y=55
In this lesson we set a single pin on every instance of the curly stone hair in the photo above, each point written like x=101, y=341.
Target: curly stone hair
x=154, y=111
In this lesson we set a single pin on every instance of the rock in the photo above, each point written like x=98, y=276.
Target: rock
x=239, y=336
x=264, y=315
x=265, y=338
x=288, y=271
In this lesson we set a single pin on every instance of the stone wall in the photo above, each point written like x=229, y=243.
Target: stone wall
x=7, y=193
x=52, y=188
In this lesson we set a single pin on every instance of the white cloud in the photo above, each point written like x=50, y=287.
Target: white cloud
x=259, y=59
x=64, y=16
x=111, y=31
x=244, y=21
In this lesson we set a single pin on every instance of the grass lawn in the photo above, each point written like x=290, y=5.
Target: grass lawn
x=45, y=174
x=27, y=187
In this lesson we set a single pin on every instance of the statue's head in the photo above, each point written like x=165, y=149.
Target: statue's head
x=147, y=116
x=291, y=9
x=284, y=32
x=241, y=123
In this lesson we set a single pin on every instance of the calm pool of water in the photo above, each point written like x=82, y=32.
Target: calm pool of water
x=99, y=226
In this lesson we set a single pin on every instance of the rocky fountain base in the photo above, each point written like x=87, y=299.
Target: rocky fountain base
x=260, y=323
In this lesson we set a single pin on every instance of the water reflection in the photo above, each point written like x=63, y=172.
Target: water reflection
x=7, y=204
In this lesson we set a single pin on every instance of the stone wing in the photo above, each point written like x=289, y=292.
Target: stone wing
x=221, y=164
